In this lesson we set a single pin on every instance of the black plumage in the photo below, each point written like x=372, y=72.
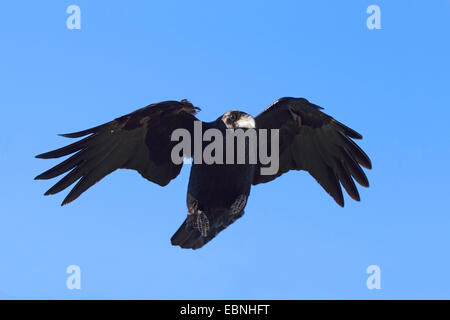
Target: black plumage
x=309, y=140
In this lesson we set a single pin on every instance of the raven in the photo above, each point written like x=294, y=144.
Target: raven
x=309, y=140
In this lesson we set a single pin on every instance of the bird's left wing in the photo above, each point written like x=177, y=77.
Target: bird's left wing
x=139, y=140
x=313, y=141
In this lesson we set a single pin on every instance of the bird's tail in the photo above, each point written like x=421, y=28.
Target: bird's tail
x=189, y=238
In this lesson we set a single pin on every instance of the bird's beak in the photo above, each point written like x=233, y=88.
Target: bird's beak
x=245, y=121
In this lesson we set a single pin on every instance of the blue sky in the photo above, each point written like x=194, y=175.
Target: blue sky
x=294, y=242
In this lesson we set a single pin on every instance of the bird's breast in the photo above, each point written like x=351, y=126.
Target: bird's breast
x=218, y=185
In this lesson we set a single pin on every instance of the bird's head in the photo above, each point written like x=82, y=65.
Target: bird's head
x=237, y=119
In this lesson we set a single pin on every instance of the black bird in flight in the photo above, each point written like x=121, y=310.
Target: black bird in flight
x=217, y=194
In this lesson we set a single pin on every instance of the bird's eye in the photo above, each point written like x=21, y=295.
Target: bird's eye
x=233, y=117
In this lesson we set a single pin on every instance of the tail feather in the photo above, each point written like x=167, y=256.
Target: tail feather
x=188, y=237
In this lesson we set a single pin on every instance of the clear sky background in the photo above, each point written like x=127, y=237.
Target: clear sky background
x=294, y=242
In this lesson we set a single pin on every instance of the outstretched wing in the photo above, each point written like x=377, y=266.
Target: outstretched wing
x=139, y=140
x=311, y=140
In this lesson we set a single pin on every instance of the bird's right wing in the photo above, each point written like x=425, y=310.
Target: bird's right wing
x=139, y=140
